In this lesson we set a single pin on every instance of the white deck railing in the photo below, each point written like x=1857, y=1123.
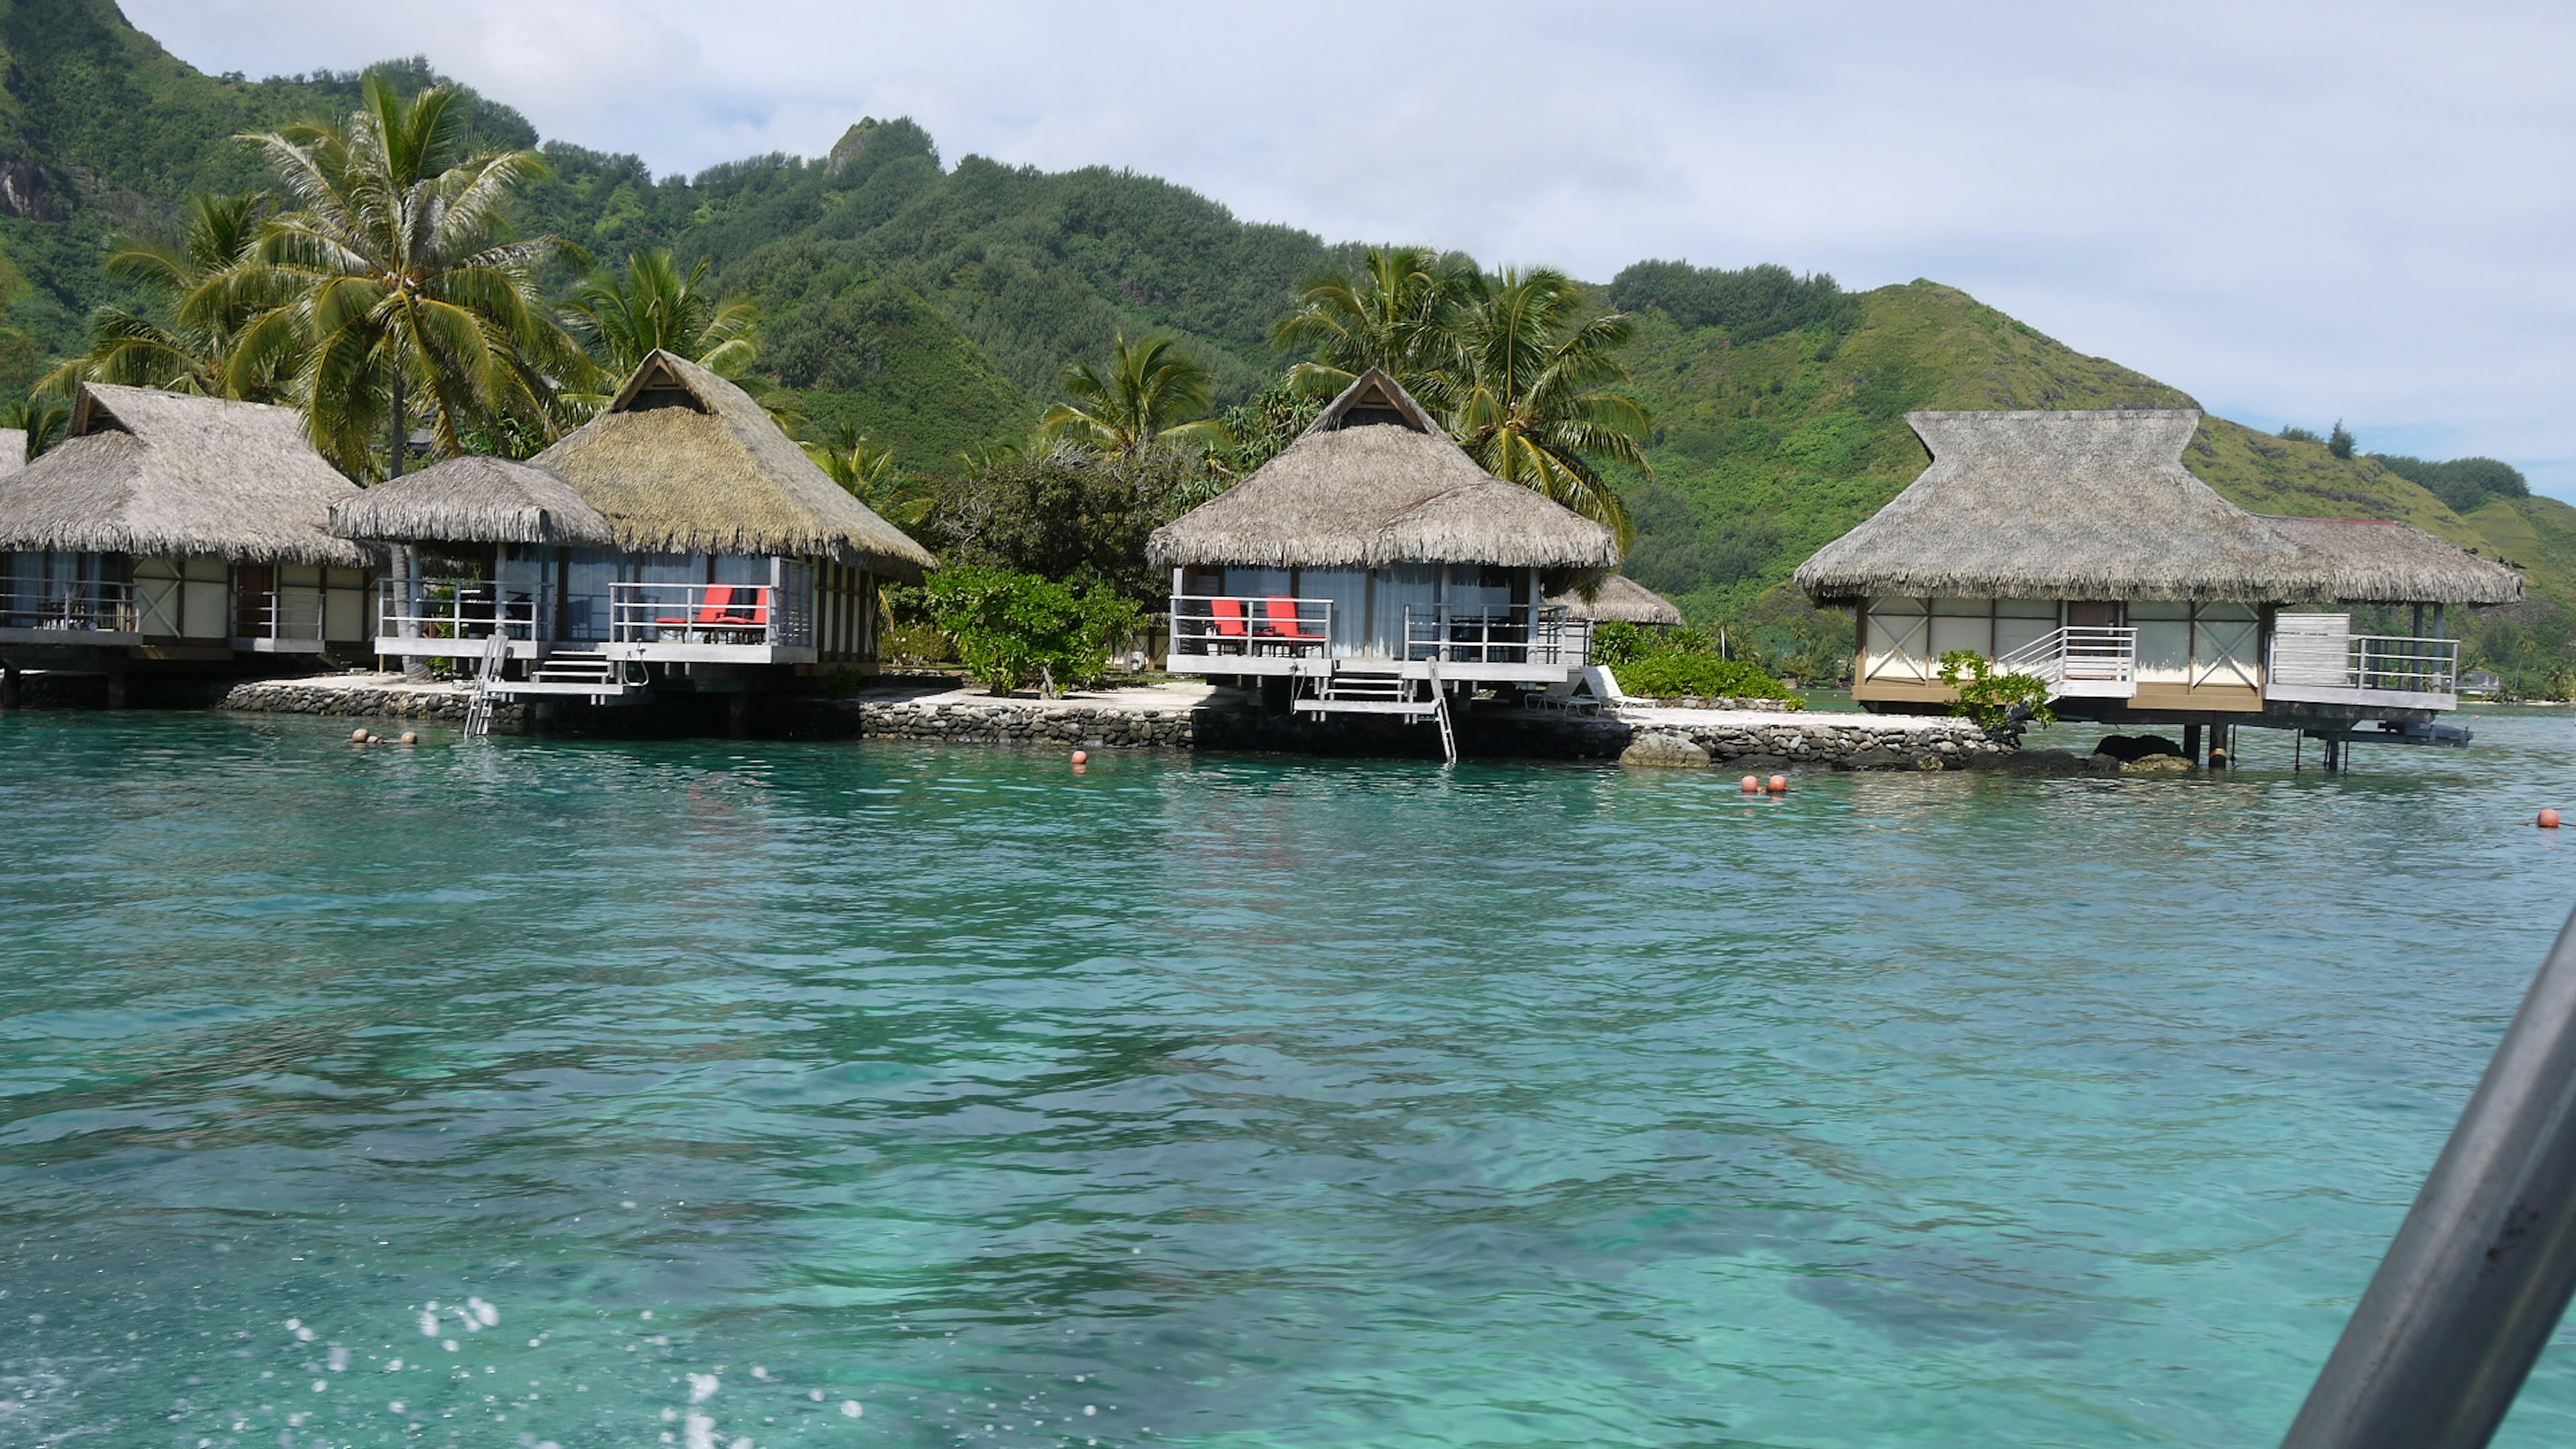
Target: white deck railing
x=1509, y=634
x=2094, y=661
x=292, y=615
x=461, y=609
x=779, y=615
x=1219, y=624
x=2330, y=667
x=38, y=603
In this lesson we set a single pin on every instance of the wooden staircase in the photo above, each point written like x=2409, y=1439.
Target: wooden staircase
x=579, y=673
x=1365, y=687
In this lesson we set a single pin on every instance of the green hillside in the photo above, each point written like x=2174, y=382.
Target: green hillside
x=1768, y=449
x=933, y=306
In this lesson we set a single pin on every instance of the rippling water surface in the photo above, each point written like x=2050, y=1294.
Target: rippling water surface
x=514, y=1092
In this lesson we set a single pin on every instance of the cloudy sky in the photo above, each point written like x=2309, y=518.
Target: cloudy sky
x=2297, y=212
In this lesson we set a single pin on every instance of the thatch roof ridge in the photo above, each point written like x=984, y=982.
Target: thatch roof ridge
x=474, y=500
x=157, y=474
x=2075, y=504
x=2383, y=561
x=682, y=461
x=1620, y=599
x=1368, y=495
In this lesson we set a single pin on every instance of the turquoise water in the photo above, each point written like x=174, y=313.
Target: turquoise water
x=860, y=1095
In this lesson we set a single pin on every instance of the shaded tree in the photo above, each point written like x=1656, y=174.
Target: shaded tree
x=1151, y=394
x=205, y=289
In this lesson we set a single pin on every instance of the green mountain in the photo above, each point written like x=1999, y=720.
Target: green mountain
x=933, y=306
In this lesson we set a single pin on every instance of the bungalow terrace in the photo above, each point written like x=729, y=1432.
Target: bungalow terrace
x=174, y=532
x=2076, y=547
x=1372, y=567
x=678, y=540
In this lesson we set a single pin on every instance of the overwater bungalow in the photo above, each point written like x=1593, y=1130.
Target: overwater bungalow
x=2075, y=546
x=1619, y=599
x=1374, y=568
x=678, y=540
x=171, y=532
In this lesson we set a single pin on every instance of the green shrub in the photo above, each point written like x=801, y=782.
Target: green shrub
x=1671, y=673
x=1013, y=629
x=918, y=643
x=1988, y=697
x=1615, y=644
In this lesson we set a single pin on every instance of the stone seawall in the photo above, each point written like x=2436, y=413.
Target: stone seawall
x=367, y=696
x=1104, y=725
x=1839, y=741
x=1183, y=716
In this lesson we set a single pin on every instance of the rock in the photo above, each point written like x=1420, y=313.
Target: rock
x=2125, y=748
x=2046, y=761
x=2159, y=765
x=1662, y=750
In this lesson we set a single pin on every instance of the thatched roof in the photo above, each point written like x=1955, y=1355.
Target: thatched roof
x=474, y=500
x=682, y=461
x=1620, y=599
x=1374, y=481
x=13, y=449
x=2380, y=561
x=2062, y=505
x=160, y=474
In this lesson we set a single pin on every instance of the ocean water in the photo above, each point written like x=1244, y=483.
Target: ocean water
x=518, y=1092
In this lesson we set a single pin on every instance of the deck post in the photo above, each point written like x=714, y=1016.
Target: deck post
x=2191, y=745
x=116, y=689
x=2480, y=1273
x=9, y=686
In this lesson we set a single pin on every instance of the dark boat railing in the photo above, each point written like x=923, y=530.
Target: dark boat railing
x=2480, y=1272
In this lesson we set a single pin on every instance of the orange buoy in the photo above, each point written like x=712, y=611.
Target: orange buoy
x=1752, y=784
x=1080, y=759
x=1779, y=784
x=2548, y=819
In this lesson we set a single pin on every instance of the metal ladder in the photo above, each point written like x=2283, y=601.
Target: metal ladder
x=1440, y=716
x=478, y=711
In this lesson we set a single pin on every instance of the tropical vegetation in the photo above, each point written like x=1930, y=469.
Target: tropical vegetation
x=407, y=298
x=932, y=303
x=1012, y=630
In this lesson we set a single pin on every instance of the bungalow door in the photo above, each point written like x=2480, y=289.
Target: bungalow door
x=254, y=597
x=2092, y=615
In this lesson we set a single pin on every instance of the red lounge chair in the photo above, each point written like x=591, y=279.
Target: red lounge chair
x=1284, y=624
x=1229, y=623
x=717, y=598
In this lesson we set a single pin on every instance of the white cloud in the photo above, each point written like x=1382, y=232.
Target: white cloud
x=2295, y=212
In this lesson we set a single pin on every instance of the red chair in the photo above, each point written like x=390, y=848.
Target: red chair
x=1284, y=624
x=1229, y=624
x=718, y=599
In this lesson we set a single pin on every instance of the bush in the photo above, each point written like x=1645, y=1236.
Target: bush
x=1013, y=629
x=1990, y=698
x=1671, y=673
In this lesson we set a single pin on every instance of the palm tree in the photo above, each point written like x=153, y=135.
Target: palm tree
x=43, y=420
x=621, y=320
x=1528, y=399
x=207, y=288
x=1395, y=314
x=1152, y=393
x=867, y=469
x=406, y=294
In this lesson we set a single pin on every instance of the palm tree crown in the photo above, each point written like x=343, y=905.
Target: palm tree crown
x=206, y=290
x=1152, y=393
x=623, y=320
x=405, y=287
x=1394, y=314
x=1529, y=399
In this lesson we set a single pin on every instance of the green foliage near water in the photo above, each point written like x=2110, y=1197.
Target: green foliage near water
x=1990, y=698
x=1680, y=663
x=1012, y=630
